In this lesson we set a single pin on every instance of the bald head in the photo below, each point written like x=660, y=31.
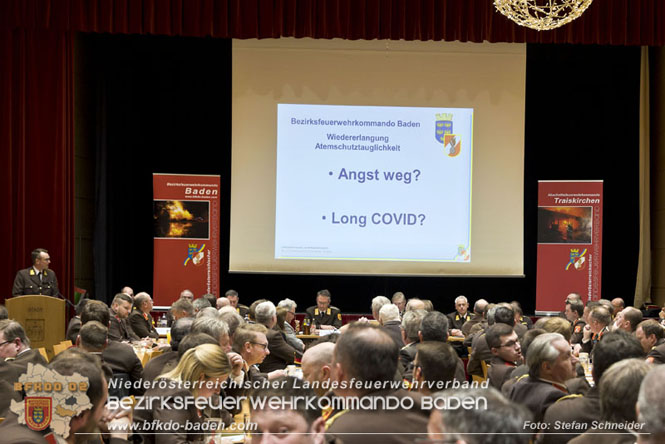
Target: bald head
x=415, y=304
x=479, y=306
x=617, y=305
x=316, y=365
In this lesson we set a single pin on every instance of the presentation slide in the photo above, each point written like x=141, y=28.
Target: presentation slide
x=373, y=183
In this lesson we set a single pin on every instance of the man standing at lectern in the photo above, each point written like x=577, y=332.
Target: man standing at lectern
x=38, y=279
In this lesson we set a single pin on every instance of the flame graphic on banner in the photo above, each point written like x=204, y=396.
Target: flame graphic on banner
x=177, y=211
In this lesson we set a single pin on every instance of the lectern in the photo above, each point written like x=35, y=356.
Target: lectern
x=42, y=317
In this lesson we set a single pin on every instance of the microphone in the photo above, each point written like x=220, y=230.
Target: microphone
x=59, y=295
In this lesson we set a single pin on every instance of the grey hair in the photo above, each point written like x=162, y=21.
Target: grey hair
x=541, y=350
x=619, y=388
x=411, y=323
x=200, y=304
x=208, y=311
x=288, y=304
x=12, y=330
x=496, y=420
x=389, y=312
x=461, y=298
x=651, y=402
x=264, y=312
x=378, y=302
x=211, y=326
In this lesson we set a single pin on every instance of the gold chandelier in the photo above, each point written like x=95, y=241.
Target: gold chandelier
x=542, y=15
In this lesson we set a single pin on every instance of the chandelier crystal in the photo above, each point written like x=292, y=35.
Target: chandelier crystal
x=542, y=15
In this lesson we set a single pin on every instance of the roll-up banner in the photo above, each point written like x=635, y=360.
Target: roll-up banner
x=570, y=228
x=186, y=235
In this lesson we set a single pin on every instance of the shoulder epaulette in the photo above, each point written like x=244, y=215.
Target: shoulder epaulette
x=573, y=396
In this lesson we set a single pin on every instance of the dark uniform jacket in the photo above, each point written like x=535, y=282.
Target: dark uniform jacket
x=657, y=352
x=27, y=282
x=394, y=331
x=119, y=330
x=594, y=436
x=480, y=351
x=499, y=372
x=588, y=346
x=332, y=316
x=141, y=324
x=12, y=368
x=159, y=365
x=121, y=358
x=537, y=395
x=578, y=331
x=281, y=353
x=526, y=321
x=475, y=319
x=575, y=414
x=242, y=310
x=381, y=426
x=457, y=321
x=406, y=356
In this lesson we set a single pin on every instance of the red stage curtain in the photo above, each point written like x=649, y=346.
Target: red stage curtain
x=37, y=152
x=606, y=22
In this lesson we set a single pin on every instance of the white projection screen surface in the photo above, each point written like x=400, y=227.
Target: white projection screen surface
x=377, y=157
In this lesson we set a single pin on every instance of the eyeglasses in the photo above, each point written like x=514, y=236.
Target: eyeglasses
x=510, y=344
x=263, y=346
x=6, y=342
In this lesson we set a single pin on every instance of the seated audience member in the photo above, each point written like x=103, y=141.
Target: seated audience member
x=519, y=316
x=434, y=366
x=550, y=363
x=289, y=332
x=120, y=357
x=627, y=319
x=587, y=309
x=128, y=291
x=558, y=325
x=207, y=311
x=251, y=312
x=119, y=312
x=214, y=327
x=234, y=299
x=410, y=330
x=367, y=355
x=316, y=367
x=119, y=330
x=82, y=427
x=187, y=295
x=480, y=327
x=480, y=351
x=573, y=297
x=573, y=313
x=650, y=407
x=4, y=314
x=322, y=315
x=169, y=359
x=415, y=304
x=93, y=339
x=377, y=303
x=15, y=351
x=617, y=305
x=429, y=306
x=182, y=308
x=140, y=320
x=598, y=321
x=458, y=317
x=75, y=323
x=506, y=353
x=400, y=300
x=619, y=388
x=281, y=353
x=206, y=363
x=199, y=304
x=212, y=300
x=582, y=411
x=391, y=324
x=495, y=421
x=222, y=302
x=521, y=369
x=251, y=343
x=289, y=335
x=652, y=338
x=434, y=327
x=476, y=317
x=301, y=423
x=232, y=319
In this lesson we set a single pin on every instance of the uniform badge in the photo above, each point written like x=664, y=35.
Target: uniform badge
x=443, y=126
x=339, y=316
x=37, y=412
x=578, y=329
x=577, y=259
